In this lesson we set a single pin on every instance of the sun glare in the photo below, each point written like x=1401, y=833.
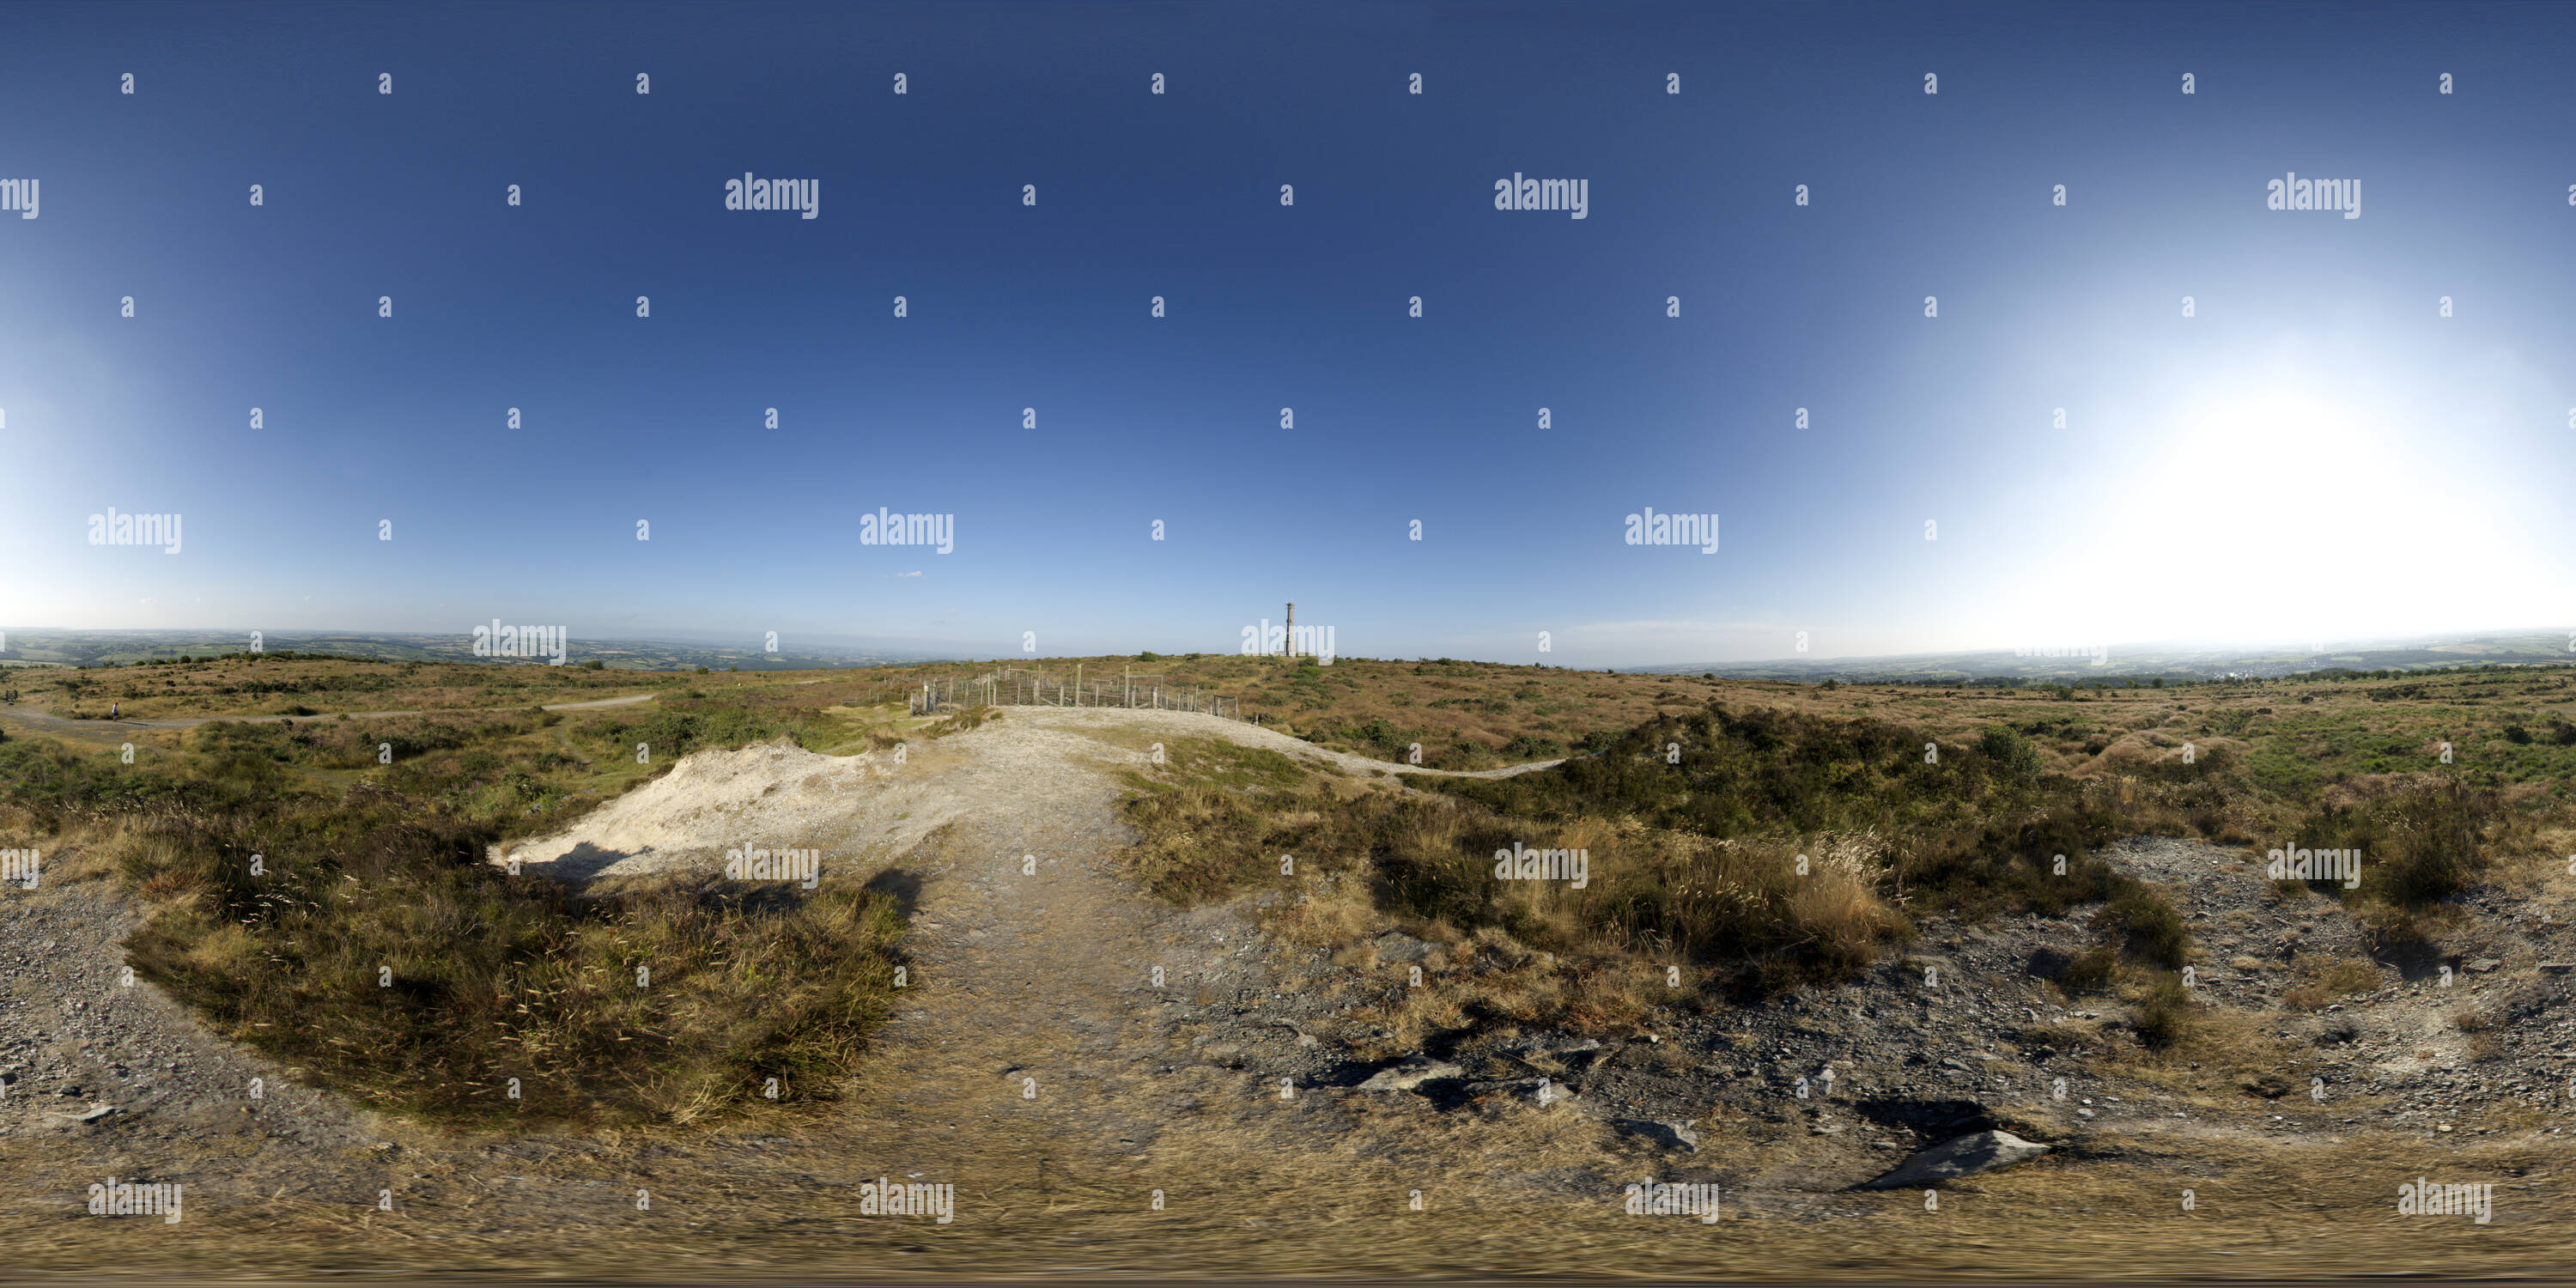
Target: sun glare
x=2280, y=513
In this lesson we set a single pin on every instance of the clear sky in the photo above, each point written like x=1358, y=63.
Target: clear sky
x=2315, y=452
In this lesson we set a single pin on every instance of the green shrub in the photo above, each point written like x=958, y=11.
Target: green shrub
x=1756, y=772
x=2147, y=926
x=1383, y=738
x=2091, y=971
x=2011, y=749
x=2163, y=1016
x=2420, y=845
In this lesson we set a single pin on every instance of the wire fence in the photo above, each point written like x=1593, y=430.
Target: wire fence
x=1026, y=687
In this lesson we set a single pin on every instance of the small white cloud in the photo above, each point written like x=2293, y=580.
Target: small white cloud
x=908, y=574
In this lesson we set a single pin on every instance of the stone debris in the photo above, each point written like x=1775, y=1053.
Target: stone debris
x=1411, y=1072
x=1663, y=1133
x=1968, y=1155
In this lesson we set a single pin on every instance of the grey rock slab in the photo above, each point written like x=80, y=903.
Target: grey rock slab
x=1663, y=1133
x=1959, y=1156
x=1411, y=1072
x=1397, y=946
x=97, y=1110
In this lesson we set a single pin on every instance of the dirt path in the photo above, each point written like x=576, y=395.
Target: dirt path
x=1250, y=735
x=1039, y=1029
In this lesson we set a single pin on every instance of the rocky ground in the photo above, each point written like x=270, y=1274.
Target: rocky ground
x=1112, y=1082
x=87, y=1054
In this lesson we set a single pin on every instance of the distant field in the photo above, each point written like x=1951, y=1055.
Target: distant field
x=2505, y=724
x=103, y=648
x=2059, y=662
x=274, y=684
x=2286, y=738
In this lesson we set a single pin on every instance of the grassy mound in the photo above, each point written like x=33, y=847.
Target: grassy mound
x=355, y=934
x=1768, y=844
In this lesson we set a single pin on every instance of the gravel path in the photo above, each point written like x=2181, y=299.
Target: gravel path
x=99, y=1068
x=1250, y=735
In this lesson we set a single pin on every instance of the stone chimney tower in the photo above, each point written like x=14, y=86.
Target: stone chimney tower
x=1291, y=650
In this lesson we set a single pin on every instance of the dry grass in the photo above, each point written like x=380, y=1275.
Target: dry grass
x=280, y=684
x=1657, y=901
x=2261, y=1210
x=1650, y=894
x=420, y=980
x=376, y=950
x=2162, y=1012
x=2325, y=980
x=2262, y=1203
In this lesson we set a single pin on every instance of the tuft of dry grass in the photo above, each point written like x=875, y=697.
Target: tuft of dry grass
x=2324, y=980
x=2163, y=1013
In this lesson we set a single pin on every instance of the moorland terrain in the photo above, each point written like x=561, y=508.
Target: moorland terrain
x=1159, y=991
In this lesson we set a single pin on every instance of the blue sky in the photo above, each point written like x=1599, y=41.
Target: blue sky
x=2316, y=453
